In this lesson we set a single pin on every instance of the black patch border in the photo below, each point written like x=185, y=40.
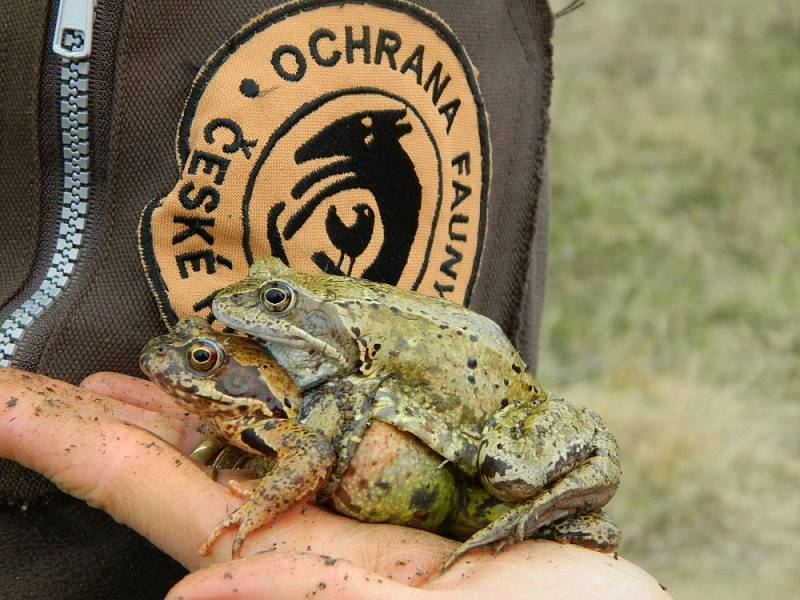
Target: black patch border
x=154, y=279
x=259, y=24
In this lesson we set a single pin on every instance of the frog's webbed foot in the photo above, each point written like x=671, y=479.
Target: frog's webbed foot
x=304, y=460
x=593, y=530
x=238, y=490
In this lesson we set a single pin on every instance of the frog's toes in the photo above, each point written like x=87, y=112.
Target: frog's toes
x=232, y=519
x=252, y=519
x=236, y=547
x=248, y=517
x=593, y=530
x=238, y=490
x=519, y=531
x=454, y=556
x=498, y=546
x=472, y=544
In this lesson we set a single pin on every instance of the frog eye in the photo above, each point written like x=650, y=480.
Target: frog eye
x=277, y=296
x=204, y=356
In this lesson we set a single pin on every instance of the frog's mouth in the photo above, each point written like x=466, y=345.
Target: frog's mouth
x=303, y=341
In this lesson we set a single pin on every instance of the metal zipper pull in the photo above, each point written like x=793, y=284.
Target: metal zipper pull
x=73, y=36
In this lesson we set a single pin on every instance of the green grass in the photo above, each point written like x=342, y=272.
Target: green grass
x=673, y=299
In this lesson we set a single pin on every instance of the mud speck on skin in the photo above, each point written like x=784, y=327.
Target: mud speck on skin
x=227, y=575
x=322, y=585
x=330, y=561
x=11, y=402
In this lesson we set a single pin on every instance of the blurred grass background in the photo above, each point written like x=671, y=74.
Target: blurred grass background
x=673, y=296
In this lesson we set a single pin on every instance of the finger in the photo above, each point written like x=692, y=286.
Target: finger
x=290, y=575
x=384, y=549
x=410, y=556
x=145, y=394
x=548, y=570
x=135, y=391
x=27, y=394
x=95, y=449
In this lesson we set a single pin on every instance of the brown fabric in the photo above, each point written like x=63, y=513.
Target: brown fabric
x=21, y=29
x=35, y=203
x=22, y=485
x=519, y=124
x=141, y=76
x=530, y=312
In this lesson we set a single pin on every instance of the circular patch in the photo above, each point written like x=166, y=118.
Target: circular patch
x=341, y=137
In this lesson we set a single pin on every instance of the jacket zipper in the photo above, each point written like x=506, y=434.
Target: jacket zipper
x=72, y=42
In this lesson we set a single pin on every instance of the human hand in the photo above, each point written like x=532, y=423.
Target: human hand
x=120, y=444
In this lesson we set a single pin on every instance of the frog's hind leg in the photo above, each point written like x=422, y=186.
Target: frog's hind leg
x=564, y=451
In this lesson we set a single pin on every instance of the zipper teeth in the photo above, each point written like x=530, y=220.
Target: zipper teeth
x=74, y=95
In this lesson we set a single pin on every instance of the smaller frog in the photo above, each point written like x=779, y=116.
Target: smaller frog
x=252, y=403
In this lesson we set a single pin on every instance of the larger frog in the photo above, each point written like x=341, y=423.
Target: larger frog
x=443, y=373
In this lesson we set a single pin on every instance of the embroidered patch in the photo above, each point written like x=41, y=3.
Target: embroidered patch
x=343, y=137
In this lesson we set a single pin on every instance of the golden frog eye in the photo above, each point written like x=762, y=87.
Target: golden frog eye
x=277, y=296
x=204, y=356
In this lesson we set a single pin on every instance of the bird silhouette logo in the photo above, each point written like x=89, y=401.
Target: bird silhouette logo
x=364, y=152
x=350, y=240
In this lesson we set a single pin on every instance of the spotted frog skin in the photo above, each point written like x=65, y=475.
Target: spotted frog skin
x=447, y=376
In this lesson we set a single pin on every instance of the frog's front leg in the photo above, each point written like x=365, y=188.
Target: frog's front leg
x=303, y=461
x=555, y=459
x=341, y=411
